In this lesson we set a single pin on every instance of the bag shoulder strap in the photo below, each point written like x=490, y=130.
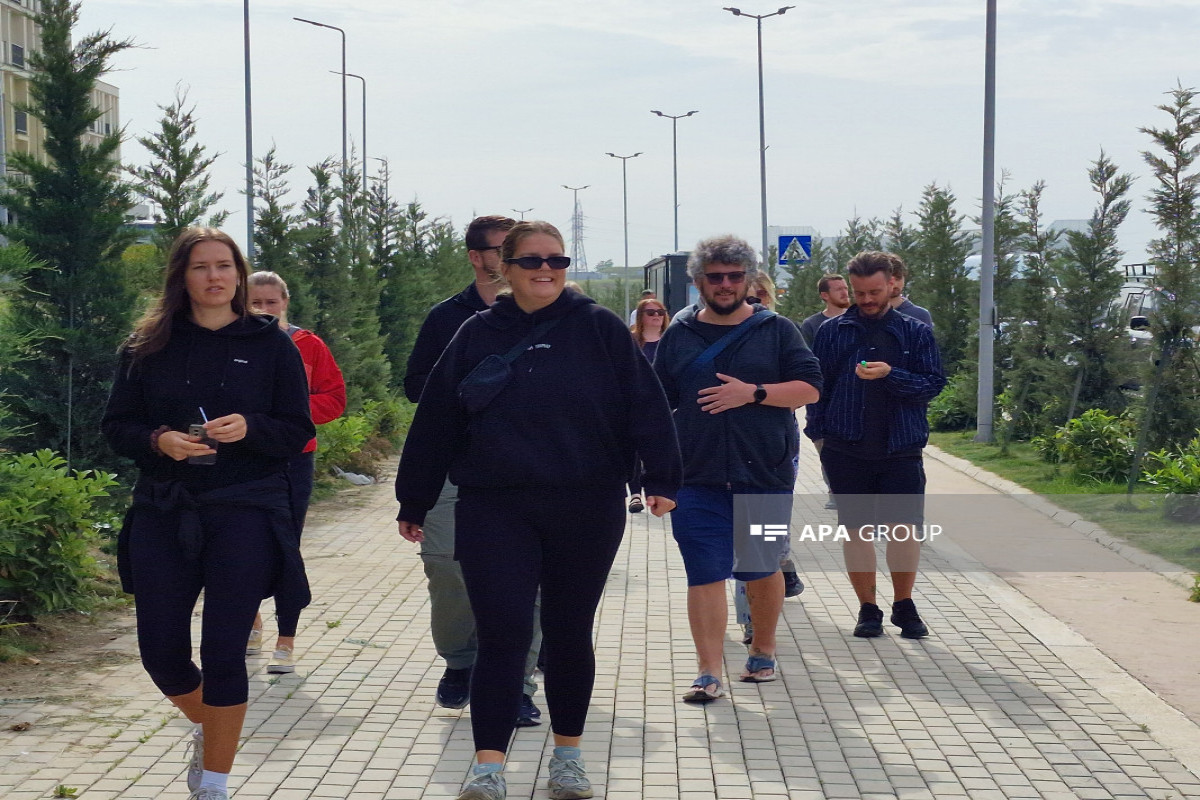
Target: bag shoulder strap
x=714, y=349
x=541, y=329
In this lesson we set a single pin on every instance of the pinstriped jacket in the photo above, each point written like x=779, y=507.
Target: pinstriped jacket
x=839, y=345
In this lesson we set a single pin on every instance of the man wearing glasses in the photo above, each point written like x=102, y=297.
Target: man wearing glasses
x=735, y=373
x=452, y=623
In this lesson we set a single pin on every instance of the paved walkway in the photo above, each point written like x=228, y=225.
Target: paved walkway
x=1002, y=701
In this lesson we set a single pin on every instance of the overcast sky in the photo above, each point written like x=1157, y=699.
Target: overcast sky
x=486, y=107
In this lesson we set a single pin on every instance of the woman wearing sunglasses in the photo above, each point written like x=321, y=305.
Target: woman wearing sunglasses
x=649, y=322
x=541, y=467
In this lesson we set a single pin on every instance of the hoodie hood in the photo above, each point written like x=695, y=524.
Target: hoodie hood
x=505, y=313
x=241, y=328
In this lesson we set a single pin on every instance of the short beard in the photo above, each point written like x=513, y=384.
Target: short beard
x=725, y=311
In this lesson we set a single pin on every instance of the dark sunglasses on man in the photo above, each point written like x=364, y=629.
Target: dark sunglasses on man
x=535, y=262
x=717, y=278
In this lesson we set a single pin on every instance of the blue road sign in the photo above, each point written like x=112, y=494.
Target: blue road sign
x=794, y=248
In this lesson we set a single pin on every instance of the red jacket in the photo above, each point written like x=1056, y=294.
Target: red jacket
x=326, y=389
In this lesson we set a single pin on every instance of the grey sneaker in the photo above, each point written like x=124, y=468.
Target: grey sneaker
x=488, y=786
x=196, y=766
x=568, y=779
x=208, y=794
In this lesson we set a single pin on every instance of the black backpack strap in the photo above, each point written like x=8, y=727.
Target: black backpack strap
x=714, y=349
x=541, y=329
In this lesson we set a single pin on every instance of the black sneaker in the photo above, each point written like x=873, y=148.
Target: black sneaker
x=870, y=621
x=454, y=689
x=636, y=505
x=792, y=585
x=905, y=616
x=529, y=715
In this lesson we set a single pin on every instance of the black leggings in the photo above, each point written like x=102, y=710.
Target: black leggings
x=510, y=542
x=300, y=477
x=235, y=569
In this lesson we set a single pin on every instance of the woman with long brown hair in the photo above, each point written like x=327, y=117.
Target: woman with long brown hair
x=649, y=322
x=210, y=401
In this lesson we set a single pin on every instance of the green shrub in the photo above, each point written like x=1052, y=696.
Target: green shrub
x=1177, y=474
x=1098, y=446
x=389, y=419
x=955, y=408
x=338, y=441
x=48, y=528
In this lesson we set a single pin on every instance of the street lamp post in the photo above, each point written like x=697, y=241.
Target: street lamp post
x=345, y=153
x=762, y=130
x=249, y=138
x=364, y=124
x=625, y=217
x=522, y=212
x=987, y=264
x=675, y=165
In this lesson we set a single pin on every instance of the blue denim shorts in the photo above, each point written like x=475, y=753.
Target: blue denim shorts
x=703, y=526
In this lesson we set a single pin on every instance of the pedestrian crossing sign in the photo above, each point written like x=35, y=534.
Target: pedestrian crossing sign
x=794, y=248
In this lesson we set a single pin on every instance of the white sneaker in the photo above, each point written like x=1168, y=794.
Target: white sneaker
x=254, y=643
x=282, y=662
x=196, y=767
x=208, y=794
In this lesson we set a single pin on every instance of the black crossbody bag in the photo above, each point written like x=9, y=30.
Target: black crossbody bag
x=482, y=384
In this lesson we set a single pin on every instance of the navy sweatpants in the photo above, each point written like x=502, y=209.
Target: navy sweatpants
x=510, y=542
x=235, y=569
x=300, y=480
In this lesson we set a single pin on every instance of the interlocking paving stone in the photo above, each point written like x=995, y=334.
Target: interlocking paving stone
x=982, y=708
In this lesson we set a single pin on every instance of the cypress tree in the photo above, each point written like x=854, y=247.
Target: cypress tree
x=69, y=214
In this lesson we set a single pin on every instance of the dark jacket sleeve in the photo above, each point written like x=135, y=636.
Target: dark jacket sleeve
x=927, y=380
x=287, y=427
x=663, y=358
x=126, y=424
x=822, y=349
x=432, y=339
x=651, y=427
x=797, y=362
x=437, y=434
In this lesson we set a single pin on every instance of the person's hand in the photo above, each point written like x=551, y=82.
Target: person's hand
x=872, y=370
x=732, y=393
x=659, y=506
x=229, y=428
x=178, y=446
x=411, y=531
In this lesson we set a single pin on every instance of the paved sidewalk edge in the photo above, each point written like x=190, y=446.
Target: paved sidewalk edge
x=1169, y=570
x=1166, y=724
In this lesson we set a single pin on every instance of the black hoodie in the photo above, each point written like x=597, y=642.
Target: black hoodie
x=581, y=401
x=249, y=367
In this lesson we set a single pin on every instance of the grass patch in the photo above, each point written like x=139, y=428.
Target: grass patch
x=1138, y=520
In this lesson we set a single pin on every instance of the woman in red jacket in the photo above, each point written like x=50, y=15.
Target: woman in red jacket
x=327, y=400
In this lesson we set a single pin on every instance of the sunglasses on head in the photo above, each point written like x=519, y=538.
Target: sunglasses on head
x=535, y=262
x=654, y=312
x=717, y=278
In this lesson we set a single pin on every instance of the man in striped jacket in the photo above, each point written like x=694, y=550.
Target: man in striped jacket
x=880, y=371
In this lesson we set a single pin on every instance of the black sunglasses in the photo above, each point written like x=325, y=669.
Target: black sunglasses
x=717, y=278
x=535, y=262
x=654, y=312
x=486, y=249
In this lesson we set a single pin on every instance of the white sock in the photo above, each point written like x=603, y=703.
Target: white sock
x=215, y=780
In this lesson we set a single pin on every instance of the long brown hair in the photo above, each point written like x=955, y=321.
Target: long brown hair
x=638, y=328
x=153, y=330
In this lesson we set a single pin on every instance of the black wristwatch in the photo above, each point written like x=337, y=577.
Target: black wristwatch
x=760, y=393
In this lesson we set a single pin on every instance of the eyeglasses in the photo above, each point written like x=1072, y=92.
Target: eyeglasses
x=535, y=262
x=717, y=278
x=487, y=249
x=654, y=312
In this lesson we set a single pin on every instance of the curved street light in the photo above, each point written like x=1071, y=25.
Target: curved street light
x=675, y=165
x=345, y=154
x=625, y=207
x=762, y=134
